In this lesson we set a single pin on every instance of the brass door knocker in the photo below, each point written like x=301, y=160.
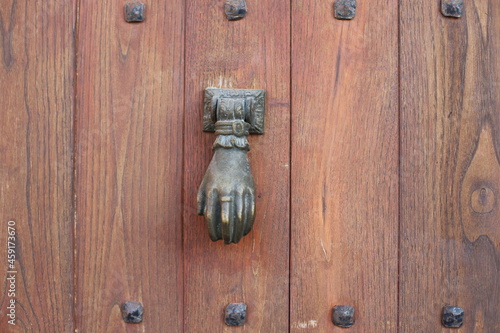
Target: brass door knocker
x=227, y=193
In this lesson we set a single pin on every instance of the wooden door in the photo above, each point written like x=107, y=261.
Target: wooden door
x=378, y=176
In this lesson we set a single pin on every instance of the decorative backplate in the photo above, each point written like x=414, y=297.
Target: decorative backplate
x=255, y=99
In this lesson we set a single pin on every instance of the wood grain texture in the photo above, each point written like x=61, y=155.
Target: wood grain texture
x=344, y=246
x=129, y=166
x=450, y=173
x=251, y=53
x=36, y=178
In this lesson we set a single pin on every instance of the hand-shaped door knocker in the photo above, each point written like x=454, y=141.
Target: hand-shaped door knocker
x=227, y=192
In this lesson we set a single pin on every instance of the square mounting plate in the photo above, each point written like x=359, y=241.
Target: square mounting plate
x=255, y=98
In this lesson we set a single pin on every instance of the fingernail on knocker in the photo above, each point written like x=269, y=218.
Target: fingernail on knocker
x=227, y=193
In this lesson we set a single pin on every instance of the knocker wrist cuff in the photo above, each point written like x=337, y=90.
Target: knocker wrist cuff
x=231, y=134
x=232, y=127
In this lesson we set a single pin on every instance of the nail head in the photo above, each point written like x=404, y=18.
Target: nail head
x=453, y=316
x=236, y=314
x=343, y=315
x=452, y=8
x=134, y=11
x=132, y=312
x=235, y=9
x=345, y=9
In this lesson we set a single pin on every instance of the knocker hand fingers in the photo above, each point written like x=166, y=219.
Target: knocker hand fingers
x=212, y=215
x=201, y=201
x=228, y=218
x=240, y=216
x=248, y=210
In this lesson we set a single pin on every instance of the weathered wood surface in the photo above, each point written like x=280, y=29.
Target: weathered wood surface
x=251, y=53
x=36, y=168
x=103, y=154
x=129, y=166
x=344, y=241
x=450, y=171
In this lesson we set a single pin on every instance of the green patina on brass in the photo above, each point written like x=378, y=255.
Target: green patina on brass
x=227, y=193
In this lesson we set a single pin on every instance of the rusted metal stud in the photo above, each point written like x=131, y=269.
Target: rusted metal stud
x=236, y=314
x=134, y=11
x=343, y=316
x=132, y=312
x=453, y=316
x=235, y=9
x=452, y=8
x=345, y=9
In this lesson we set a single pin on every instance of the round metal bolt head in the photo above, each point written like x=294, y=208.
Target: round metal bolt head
x=236, y=314
x=132, y=312
x=134, y=11
x=343, y=315
x=453, y=316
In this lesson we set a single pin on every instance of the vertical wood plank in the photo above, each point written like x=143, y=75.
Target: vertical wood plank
x=36, y=178
x=250, y=53
x=129, y=166
x=344, y=243
x=450, y=169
